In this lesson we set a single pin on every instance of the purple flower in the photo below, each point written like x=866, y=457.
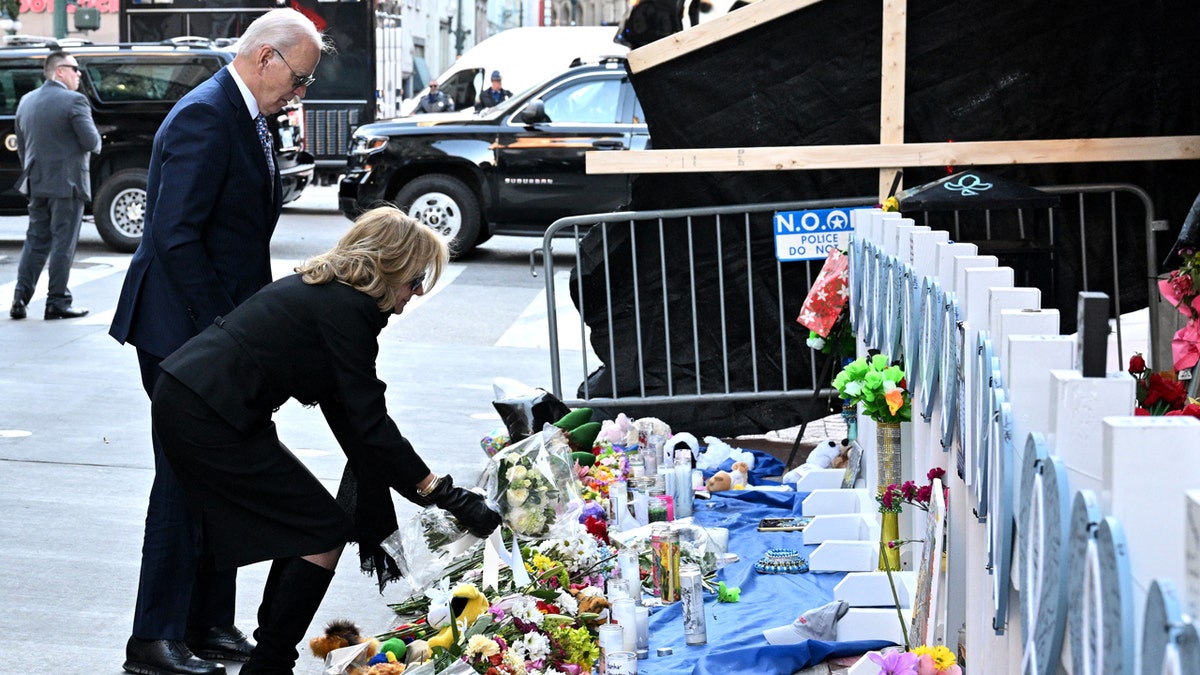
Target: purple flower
x=895, y=663
x=497, y=612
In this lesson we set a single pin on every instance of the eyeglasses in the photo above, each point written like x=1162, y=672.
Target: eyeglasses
x=415, y=284
x=67, y=65
x=298, y=80
x=433, y=86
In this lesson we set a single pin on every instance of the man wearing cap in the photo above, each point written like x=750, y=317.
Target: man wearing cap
x=494, y=96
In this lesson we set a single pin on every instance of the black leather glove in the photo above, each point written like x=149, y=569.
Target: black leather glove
x=469, y=507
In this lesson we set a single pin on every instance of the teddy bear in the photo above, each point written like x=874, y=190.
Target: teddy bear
x=719, y=482
x=826, y=454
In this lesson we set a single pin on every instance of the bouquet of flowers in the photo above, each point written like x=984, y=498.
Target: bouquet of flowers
x=533, y=486
x=923, y=660
x=1159, y=393
x=1182, y=289
x=879, y=387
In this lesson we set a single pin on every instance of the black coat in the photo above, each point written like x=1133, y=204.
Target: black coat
x=318, y=345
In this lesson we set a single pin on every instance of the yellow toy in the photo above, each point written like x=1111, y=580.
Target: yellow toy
x=467, y=604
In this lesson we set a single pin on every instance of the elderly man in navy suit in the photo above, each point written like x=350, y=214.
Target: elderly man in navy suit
x=55, y=135
x=213, y=199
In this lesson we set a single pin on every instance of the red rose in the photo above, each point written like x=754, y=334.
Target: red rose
x=1169, y=391
x=1141, y=412
x=597, y=528
x=1137, y=364
x=935, y=472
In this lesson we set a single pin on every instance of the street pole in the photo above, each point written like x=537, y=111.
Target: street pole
x=60, y=19
x=460, y=35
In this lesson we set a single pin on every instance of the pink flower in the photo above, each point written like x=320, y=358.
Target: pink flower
x=895, y=663
x=936, y=472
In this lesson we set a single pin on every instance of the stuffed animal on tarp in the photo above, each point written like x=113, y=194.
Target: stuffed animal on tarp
x=740, y=475
x=338, y=634
x=719, y=482
x=467, y=603
x=826, y=454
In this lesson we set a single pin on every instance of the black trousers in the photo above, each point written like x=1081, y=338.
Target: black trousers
x=177, y=588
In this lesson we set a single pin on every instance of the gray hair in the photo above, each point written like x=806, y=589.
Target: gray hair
x=281, y=29
x=53, y=61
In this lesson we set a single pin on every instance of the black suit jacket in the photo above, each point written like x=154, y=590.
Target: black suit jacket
x=318, y=345
x=211, y=209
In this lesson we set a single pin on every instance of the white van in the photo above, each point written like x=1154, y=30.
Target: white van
x=524, y=56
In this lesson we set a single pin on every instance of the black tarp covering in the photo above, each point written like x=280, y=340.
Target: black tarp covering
x=976, y=70
x=973, y=190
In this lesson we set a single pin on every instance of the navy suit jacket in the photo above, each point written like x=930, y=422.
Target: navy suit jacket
x=211, y=209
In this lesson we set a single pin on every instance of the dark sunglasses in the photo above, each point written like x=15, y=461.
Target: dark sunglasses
x=67, y=65
x=298, y=80
x=415, y=284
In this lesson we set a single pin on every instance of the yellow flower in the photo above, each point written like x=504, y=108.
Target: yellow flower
x=942, y=657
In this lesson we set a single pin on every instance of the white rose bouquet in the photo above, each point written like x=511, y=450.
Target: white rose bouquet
x=533, y=486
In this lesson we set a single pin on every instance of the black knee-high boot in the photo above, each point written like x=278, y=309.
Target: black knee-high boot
x=294, y=590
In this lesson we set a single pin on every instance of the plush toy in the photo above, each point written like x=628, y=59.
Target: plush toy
x=418, y=652
x=740, y=475
x=827, y=454
x=467, y=603
x=338, y=634
x=719, y=482
x=843, y=457
x=619, y=431
x=385, y=663
x=594, y=604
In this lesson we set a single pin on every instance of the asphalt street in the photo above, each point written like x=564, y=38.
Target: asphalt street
x=75, y=457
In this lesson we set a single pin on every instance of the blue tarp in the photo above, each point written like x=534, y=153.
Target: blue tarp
x=735, y=642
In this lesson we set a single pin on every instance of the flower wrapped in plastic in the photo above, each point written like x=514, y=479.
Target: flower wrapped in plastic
x=426, y=546
x=533, y=486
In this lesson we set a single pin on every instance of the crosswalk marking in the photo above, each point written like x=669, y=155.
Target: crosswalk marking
x=531, y=329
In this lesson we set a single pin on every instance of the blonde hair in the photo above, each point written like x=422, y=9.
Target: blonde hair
x=382, y=249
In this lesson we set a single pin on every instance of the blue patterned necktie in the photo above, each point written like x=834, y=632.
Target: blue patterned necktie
x=264, y=137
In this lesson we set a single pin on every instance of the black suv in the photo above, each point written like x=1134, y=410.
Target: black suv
x=512, y=169
x=131, y=88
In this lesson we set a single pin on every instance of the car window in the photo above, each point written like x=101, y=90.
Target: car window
x=15, y=83
x=119, y=81
x=589, y=102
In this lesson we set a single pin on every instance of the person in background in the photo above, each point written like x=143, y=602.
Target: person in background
x=495, y=95
x=212, y=202
x=313, y=337
x=54, y=135
x=435, y=101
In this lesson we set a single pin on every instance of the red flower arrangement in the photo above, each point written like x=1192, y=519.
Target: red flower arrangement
x=1160, y=393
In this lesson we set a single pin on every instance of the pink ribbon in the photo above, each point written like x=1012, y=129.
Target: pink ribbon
x=1185, y=346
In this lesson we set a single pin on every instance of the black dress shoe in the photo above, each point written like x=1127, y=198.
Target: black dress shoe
x=63, y=313
x=166, y=657
x=18, y=310
x=219, y=642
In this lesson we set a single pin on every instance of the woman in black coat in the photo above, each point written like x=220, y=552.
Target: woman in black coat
x=312, y=336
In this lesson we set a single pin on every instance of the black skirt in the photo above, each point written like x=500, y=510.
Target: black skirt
x=251, y=497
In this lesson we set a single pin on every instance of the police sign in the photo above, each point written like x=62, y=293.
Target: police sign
x=809, y=235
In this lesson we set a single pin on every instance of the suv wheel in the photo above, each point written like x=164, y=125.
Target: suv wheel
x=120, y=209
x=447, y=206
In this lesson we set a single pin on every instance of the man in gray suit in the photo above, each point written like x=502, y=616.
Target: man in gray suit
x=55, y=135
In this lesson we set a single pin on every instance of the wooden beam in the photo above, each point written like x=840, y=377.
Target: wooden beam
x=745, y=18
x=968, y=153
x=891, y=94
